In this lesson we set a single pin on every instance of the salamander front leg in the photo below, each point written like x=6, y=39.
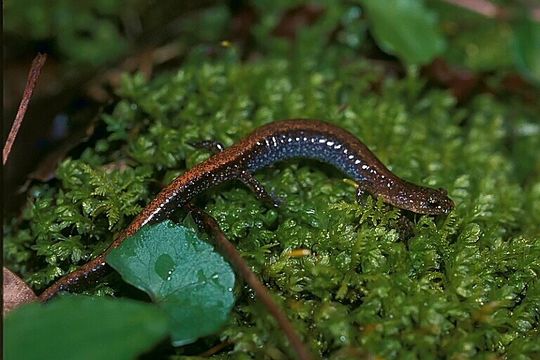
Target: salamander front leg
x=253, y=184
x=259, y=190
x=361, y=192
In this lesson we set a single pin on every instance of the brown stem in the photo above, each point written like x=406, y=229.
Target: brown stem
x=233, y=256
x=482, y=7
x=33, y=75
x=490, y=10
x=215, y=349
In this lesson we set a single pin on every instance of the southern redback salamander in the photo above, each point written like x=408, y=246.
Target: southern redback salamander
x=296, y=138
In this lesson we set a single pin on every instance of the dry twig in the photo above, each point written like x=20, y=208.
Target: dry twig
x=488, y=9
x=233, y=256
x=33, y=75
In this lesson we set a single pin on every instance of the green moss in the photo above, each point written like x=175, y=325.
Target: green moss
x=462, y=286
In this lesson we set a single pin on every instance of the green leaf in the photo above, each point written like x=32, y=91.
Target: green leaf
x=405, y=28
x=81, y=327
x=527, y=48
x=191, y=282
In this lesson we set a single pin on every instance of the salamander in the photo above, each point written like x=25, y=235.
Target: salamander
x=276, y=141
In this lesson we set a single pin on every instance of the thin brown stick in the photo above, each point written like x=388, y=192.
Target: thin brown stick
x=233, y=256
x=33, y=75
x=490, y=10
x=482, y=7
x=215, y=349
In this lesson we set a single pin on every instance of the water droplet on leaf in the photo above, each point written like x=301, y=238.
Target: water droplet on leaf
x=164, y=266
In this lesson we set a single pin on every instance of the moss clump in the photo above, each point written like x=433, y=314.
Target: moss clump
x=462, y=286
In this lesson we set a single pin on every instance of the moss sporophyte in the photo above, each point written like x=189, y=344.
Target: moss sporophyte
x=455, y=286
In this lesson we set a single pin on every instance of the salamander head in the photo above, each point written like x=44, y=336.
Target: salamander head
x=422, y=200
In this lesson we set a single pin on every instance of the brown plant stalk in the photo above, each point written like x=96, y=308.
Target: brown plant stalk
x=227, y=249
x=490, y=10
x=33, y=75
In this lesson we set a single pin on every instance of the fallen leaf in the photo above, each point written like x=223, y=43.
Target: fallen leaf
x=460, y=81
x=16, y=291
x=296, y=18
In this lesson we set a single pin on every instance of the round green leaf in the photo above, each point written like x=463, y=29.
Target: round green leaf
x=82, y=327
x=405, y=28
x=182, y=273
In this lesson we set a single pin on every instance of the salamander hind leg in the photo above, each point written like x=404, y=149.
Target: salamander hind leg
x=260, y=192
